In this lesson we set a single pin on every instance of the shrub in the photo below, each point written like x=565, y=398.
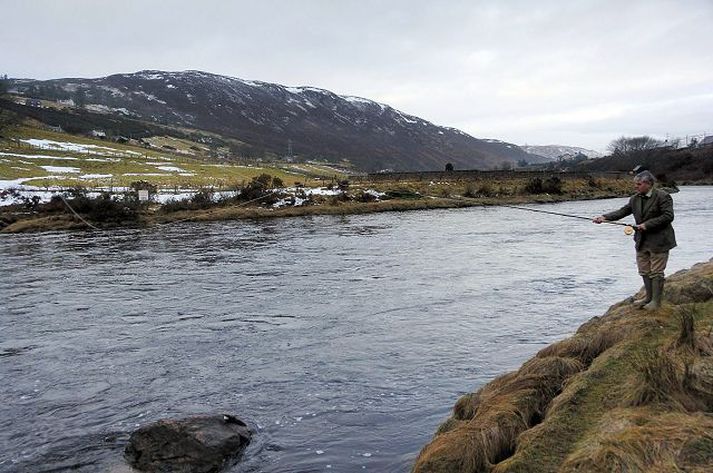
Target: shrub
x=143, y=185
x=101, y=209
x=30, y=204
x=486, y=190
x=177, y=205
x=534, y=186
x=594, y=183
x=470, y=190
x=403, y=193
x=551, y=185
x=256, y=188
x=202, y=199
x=365, y=196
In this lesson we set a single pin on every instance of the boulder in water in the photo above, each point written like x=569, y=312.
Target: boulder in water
x=201, y=444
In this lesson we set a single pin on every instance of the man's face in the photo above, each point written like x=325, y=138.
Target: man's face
x=642, y=187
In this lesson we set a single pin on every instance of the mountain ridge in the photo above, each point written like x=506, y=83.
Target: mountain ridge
x=554, y=152
x=272, y=119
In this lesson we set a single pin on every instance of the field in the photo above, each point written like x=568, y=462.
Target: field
x=42, y=158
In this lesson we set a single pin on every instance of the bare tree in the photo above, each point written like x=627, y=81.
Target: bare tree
x=4, y=84
x=630, y=144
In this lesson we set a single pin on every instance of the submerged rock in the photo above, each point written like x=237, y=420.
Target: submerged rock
x=202, y=444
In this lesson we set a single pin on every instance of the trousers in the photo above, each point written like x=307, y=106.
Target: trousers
x=651, y=264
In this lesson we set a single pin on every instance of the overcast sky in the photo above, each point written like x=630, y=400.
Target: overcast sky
x=538, y=72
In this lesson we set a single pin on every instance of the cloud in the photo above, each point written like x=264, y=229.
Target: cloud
x=517, y=70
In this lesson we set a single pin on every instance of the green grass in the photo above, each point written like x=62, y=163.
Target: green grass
x=136, y=160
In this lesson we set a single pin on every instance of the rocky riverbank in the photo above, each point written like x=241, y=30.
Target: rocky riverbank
x=630, y=391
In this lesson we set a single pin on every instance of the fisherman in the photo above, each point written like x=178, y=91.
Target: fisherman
x=653, y=213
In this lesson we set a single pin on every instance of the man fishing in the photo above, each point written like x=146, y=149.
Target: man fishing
x=653, y=212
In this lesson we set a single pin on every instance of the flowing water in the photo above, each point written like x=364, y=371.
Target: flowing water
x=343, y=341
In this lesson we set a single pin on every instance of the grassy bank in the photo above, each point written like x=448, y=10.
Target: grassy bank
x=356, y=199
x=630, y=391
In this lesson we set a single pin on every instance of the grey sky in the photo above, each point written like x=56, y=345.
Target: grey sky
x=537, y=72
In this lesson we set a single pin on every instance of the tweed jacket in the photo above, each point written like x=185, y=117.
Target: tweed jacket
x=656, y=213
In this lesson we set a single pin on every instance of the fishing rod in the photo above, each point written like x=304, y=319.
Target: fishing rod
x=628, y=228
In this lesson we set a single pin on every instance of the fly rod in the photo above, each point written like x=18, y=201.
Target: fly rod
x=628, y=228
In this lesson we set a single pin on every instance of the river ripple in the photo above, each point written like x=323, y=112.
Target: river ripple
x=344, y=341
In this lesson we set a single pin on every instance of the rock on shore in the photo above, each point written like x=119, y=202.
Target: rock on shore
x=630, y=391
x=202, y=444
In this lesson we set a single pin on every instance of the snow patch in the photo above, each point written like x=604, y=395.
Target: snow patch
x=103, y=160
x=357, y=100
x=149, y=76
x=77, y=147
x=39, y=156
x=145, y=174
x=97, y=108
x=61, y=169
x=150, y=97
x=289, y=202
x=113, y=90
x=251, y=83
x=95, y=176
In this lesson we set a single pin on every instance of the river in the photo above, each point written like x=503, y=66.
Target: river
x=343, y=341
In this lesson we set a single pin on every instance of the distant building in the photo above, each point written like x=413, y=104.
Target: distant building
x=57, y=128
x=98, y=134
x=33, y=103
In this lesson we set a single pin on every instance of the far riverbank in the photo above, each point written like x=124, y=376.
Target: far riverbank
x=359, y=198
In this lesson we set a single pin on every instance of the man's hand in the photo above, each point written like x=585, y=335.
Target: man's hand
x=599, y=219
x=641, y=228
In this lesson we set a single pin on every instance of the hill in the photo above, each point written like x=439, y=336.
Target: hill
x=270, y=120
x=630, y=391
x=680, y=165
x=554, y=152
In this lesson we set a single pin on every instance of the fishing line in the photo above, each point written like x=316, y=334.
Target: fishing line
x=209, y=211
x=74, y=212
x=173, y=221
x=628, y=228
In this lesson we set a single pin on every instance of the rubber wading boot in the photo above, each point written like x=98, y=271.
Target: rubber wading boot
x=640, y=303
x=656, y=293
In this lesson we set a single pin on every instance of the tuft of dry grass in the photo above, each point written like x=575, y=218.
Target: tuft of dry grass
x=466, y=406
x=687, y=335
x=628, y=392
x=688, y=338
x=674, y=442
x=660, y=380
x=584, y=347
x=484, y=428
